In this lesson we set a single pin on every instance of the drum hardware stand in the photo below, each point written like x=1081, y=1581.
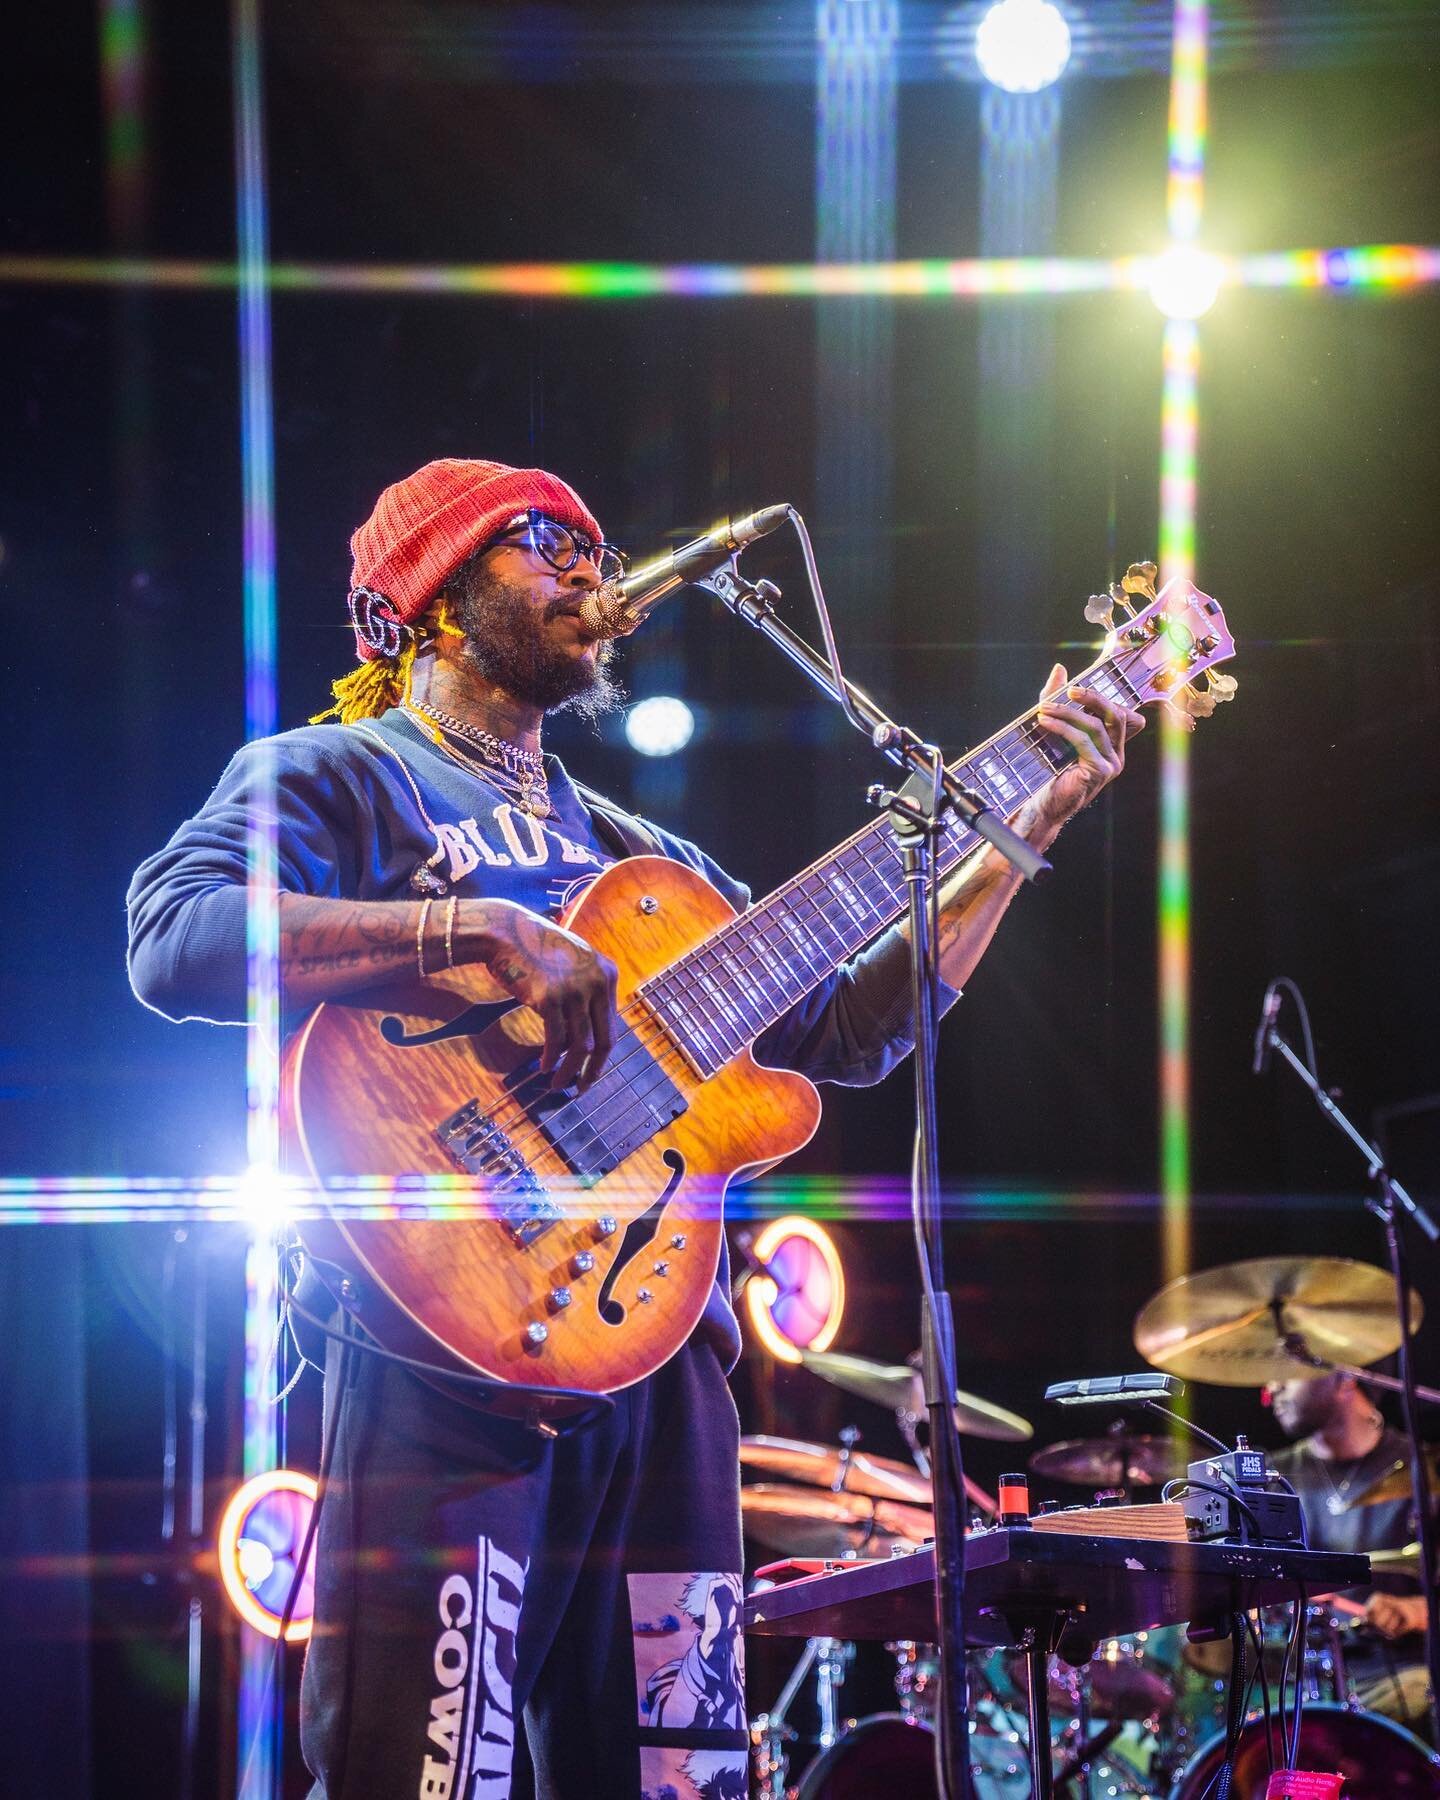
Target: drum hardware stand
x=917, y=812
x=1386, y=1202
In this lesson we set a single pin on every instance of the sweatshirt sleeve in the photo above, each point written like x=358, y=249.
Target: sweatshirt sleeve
x=186, y=904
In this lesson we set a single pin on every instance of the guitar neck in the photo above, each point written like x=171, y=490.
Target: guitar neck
x=722, y=994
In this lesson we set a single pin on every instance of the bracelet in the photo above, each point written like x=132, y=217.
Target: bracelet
x=425, y=906
x=450, y=931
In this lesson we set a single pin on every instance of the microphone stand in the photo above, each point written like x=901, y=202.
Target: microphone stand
x=917, y=813
x=1385, y=1203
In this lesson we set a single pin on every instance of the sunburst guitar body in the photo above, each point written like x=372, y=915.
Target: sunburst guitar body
x=575, y=1279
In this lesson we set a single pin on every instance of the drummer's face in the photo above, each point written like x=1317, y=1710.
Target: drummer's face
x=1301, y=1407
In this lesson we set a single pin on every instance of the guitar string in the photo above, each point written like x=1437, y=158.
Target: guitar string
x=1030, y=738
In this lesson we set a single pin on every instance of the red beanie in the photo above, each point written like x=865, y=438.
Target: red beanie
x=425, y=526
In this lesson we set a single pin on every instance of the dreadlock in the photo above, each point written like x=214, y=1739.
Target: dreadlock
x=384, y=681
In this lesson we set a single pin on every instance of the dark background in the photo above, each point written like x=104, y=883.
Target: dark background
x=442, y=133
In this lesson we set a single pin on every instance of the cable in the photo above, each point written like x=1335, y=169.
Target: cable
x=1214, y=1487
x=1258, y=1645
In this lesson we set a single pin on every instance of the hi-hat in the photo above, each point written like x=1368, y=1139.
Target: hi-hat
x=1115, y=1461
x=799, y=1521
x=898, y=1386
x=1274, y=1318
x=822, y=1466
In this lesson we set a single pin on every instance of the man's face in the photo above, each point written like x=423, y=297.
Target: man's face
x=1302, y=1407
x=523, y=632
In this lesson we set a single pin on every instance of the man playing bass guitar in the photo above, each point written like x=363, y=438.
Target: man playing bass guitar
x=473, y=1576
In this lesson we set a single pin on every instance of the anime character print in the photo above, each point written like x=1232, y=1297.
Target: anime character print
x=689, y=1651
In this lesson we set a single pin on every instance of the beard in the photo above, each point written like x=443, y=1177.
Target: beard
x=506, y=642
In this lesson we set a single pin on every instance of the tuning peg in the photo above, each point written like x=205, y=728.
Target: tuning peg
x=1139, y=578
x=1221, y=687
x=1177, y=715
x=1198, y=702
x=1100, y=610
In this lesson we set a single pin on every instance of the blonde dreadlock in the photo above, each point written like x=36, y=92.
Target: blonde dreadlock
x=384, y=682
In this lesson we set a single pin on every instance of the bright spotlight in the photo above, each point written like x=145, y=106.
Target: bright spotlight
x=1184, y=281
x=260, y=1193
x=1022, y=45
x=659, y=726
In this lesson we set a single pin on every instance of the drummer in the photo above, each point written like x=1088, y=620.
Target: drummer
x=1344, y=1447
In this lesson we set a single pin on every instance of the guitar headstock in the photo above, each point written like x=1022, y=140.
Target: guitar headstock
x=1166, y=644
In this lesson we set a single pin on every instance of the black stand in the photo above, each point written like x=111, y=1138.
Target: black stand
x=1385, y=1202
x=917, y=812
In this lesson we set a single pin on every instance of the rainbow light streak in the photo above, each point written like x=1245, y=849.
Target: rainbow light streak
x=1178, y=434
x=258, y=1749
x=122, y=83
x=1340, y=268
x=1184, y=197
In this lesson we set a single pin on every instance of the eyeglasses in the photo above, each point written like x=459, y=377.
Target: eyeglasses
x=562, y=546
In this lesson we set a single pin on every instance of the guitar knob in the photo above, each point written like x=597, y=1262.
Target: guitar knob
x=582, y=1262
x=535, y=1334
x=678, y=1241
x=662, y=1268
x=558, y=1299
x=605, y=1227
x=644, y=1296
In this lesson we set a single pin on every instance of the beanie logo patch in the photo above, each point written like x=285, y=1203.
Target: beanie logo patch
x=376, y=622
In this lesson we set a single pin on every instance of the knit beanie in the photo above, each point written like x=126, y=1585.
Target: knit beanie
x=425, y=526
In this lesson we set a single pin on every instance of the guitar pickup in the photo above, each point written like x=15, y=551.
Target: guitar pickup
x=479, y=1147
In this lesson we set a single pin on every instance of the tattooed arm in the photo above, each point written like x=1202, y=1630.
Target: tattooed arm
x=334, y=947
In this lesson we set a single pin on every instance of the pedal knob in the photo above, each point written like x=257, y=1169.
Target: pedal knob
x=582, y=1262
x=535, y=1334
x=605, y=1227
x=558, y=1299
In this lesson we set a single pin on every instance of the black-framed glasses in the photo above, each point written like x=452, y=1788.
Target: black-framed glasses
x=562, y=546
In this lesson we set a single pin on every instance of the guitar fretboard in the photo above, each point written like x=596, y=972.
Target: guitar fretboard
x=721, y=995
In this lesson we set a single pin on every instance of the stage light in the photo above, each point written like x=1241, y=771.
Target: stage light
x=258, y=1546
x=800, y=1303
x=659, y=726
x=260, y=1196
x=1184, y=281
x=1022, y=45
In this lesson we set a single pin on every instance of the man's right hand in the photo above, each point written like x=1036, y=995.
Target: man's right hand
x=552, y=971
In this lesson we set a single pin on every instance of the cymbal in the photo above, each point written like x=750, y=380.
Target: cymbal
x=1230, y=1325
x=1117, y=1461
x=897, y=1386
x=800, y=1521
x=1394, y=1483
x=1405, y=1560
x=821, y=1466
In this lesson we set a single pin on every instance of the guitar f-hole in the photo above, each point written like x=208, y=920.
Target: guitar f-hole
x=639, y=1235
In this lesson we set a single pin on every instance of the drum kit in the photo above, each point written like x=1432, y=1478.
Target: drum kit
x=1146, y=1715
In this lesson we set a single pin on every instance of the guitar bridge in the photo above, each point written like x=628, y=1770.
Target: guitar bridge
x=479, y=1147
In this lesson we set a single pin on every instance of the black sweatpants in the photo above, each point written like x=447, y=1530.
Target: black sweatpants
x=471, y=1576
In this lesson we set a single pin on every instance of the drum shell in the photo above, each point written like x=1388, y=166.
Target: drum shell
x=1379, y=1759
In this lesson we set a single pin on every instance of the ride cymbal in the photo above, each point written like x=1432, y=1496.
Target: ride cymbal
x=1246, y=1324
x=1394, y=1483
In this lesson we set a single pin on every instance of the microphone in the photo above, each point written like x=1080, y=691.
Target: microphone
x=1269, y=1013
x=615, y=609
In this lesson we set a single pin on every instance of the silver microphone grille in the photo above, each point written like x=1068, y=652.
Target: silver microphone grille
x=605, y=614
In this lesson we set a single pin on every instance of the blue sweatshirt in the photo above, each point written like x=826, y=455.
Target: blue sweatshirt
x=379, y=812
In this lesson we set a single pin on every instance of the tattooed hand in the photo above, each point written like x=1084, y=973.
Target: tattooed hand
x=557, y=974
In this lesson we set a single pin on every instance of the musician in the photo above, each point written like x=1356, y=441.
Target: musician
x=1344, y=1447
x=469, y=1571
